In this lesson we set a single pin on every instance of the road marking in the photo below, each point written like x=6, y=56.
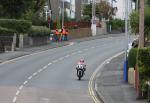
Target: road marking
x=40, y=70
x=67, y=56
x=61, y=58
x=44, y=67
x=73, y=53
x=30, y=77
x=93, y=77
x=14, y=99
x=79, y=51
x=93, y=47
x=21, y=87
x=17, y=93
x=25, y=82
x=49, y=64
x=55, y=61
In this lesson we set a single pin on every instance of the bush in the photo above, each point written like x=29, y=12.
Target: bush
x=144, y=66
x=132, y=57
x=6, y=32
x=116, y=24
x=39, y=31
x=21, y=26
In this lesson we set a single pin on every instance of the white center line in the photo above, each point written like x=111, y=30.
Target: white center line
x=17, y=93
x=55, y=61
x=21, y=87
x=30, y=77
x=34, y=74
x=25, y=82
x=40, y=70
x=44, y=67
x=67, y=56
x=15, y=99
x=61, y=58
x=49, y=64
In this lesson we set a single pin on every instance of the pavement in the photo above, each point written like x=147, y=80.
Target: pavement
x=110, y=86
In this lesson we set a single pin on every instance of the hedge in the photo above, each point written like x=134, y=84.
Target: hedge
x=144, y=67
x=132, y=57
x=21, y=26
x=39, y=31
x=6, y=32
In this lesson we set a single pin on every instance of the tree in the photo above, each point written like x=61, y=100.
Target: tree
x=141, y=25
x=14, y=8
x=103, y=10
x=17, y=8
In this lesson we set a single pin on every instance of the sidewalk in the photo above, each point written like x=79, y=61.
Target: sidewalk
x=110, y=85
x=26, y=51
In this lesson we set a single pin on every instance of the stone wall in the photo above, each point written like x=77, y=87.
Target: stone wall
x=79, y=33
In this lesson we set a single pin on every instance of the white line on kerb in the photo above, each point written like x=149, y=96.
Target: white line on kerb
x=17, y=93
x=21, y=87
x=15, y=99
x=25, y=82
x=30, y=77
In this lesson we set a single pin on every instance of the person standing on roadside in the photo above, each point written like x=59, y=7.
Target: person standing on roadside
x=57, y=35
x=66, y=35
x=63, y=31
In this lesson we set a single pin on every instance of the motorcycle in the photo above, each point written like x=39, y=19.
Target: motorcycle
x=80, y=71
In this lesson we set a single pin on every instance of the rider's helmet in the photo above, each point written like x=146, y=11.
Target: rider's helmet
x=81, y=60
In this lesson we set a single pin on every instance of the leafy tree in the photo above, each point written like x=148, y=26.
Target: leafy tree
x=103, y=10
x=14, y=8
x=19, y=8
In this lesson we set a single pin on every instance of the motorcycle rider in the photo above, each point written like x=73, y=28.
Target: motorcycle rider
x=81, y=63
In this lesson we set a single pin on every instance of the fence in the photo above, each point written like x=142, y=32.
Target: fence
x=5, y=43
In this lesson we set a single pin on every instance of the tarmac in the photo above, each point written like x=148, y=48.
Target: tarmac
x=110, y=86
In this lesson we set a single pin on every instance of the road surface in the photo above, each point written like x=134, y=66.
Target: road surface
x=50, y=76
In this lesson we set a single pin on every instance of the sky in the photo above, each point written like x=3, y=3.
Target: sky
x=121, y=9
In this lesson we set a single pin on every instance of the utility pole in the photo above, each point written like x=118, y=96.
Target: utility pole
x=141, y=25
x=93, y=26
x=126, y=28
x=63, y=9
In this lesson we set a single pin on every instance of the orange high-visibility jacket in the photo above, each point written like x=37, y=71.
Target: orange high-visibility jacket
x=56, y=32
x=63, y=31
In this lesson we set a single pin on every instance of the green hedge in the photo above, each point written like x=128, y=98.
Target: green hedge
x=144, y=67
x=39, y=31
x=6, y=32
x=21, y=26
x=132, y=57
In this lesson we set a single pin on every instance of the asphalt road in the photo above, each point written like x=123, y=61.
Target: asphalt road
x=50, y=76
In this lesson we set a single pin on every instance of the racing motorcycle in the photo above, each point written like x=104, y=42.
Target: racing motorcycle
x=80, y=71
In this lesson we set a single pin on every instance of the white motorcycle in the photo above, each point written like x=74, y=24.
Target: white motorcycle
x=80, y=71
